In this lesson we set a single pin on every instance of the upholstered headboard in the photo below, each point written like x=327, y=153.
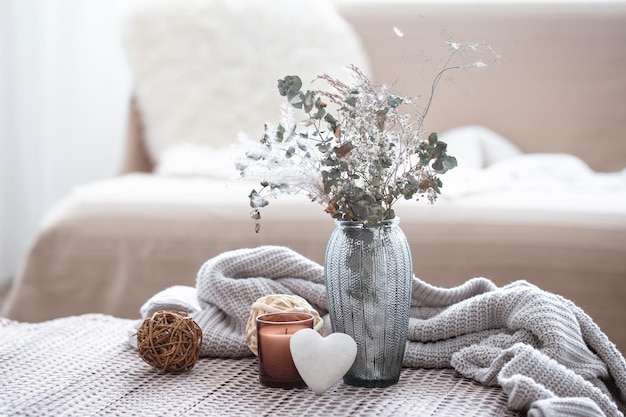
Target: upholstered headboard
x=559, y=86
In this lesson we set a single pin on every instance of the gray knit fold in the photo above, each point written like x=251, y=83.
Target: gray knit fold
x=545, y=352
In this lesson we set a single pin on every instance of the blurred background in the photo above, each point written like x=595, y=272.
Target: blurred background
x=64, y=91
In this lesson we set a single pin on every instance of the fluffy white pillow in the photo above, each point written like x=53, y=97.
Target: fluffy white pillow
x=478, y=147
x=538, y=168
x=190, y=159
x=206, y=70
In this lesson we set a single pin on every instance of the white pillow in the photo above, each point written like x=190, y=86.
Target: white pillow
x=538, y=168
x=466, y=148
x=477, y=146
x=206, y=70
x=189, y=159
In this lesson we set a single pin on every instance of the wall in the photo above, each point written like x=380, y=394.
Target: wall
x=64, y=91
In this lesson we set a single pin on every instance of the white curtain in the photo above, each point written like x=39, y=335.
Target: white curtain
x=64, y=88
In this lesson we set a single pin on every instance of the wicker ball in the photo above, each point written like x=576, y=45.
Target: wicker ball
x=170, y=341
x=279, y=303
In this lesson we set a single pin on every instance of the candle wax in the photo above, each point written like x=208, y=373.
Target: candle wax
x=277, y=361
x=274, y=331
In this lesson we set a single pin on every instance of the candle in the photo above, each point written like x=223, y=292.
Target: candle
x=274, y=331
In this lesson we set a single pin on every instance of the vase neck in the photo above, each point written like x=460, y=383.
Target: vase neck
x=342, y=224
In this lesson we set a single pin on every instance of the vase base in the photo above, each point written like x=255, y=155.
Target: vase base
x=370, y=383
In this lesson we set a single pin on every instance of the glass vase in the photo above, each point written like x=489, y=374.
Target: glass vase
x=369, y=277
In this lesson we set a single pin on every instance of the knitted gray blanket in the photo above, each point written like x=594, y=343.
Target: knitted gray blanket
x=546, y=353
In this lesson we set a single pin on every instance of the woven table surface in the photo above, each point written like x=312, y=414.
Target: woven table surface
x=83, y=366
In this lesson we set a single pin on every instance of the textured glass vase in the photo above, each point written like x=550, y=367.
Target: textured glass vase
x=369, y=277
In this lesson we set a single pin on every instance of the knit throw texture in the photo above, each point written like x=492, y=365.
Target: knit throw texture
x=546, y=353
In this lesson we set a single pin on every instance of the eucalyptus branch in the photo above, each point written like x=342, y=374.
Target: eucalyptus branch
x=433, y=88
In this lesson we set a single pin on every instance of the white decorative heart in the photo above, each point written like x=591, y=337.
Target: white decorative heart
x=322, y=361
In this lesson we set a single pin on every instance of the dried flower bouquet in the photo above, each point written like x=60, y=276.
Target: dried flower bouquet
x=359, y=149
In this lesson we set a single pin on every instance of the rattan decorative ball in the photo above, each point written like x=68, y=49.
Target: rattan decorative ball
x=279, y=303
x=170, y=341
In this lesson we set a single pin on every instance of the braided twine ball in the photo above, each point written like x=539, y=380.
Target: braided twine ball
x=279, y=303
x=170, y=341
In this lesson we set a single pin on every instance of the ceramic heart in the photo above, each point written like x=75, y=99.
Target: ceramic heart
x=322, y=361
